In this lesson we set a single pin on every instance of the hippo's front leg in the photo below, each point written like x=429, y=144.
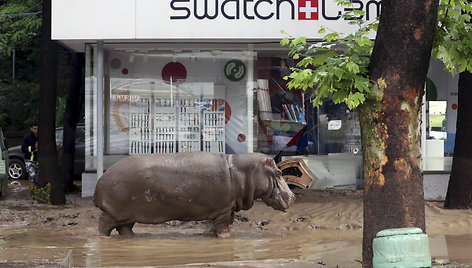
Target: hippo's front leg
x=106, y=224
x=223, y=223
x=125, y=229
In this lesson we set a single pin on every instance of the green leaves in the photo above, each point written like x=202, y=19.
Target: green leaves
x=20, y=22
x=352, y=67
x=363, y=41
x=453, y=38
x=285, y=41
x=336, y=67
x=331, y=37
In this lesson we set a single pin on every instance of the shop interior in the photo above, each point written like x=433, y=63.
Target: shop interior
x=224, y=98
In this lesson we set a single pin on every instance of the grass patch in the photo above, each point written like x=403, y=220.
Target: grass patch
x=435, y=120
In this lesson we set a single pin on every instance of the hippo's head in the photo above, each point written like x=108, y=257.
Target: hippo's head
x=281, y=197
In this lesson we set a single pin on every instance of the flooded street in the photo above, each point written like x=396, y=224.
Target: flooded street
x=171, y=248
x=323, y=229
x=333, y=248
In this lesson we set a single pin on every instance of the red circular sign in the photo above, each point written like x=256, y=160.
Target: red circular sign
x=124, y=71
x=227, y=112
x=241, y=138
x=175, y=71
x=454, y=106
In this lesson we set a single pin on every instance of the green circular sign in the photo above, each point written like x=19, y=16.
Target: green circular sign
x=235, y=70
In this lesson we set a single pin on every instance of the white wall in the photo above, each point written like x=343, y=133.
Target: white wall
x=153, y=19
x=93, y=19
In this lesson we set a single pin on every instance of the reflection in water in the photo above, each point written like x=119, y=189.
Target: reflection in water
x=148, y=249
x=341, y=248
x=143, y=251
x=454, y=248
x=459, y=248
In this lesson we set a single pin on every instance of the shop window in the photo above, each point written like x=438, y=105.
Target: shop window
x=208, y=99
x=281, y=112
x=436, y=128
x=436, y=137
x=176, y=101
x=289, y=122
x=339, y=128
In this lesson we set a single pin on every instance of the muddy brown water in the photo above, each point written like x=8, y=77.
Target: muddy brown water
x=171, y=248
x=333, y=248
x=31, y=233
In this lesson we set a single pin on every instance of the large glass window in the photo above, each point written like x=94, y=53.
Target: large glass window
x=436, y=127
x=222, y=98
x=436, y=137
x=289, y=122
x=326, y=138
x=280, y=111
x=177, y=101
x=162, y=100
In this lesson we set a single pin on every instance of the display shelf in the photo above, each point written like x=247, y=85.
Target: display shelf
x=170, y=126
x=189, y=127
x=140, y=139
x=214, y=126
x=165, y=122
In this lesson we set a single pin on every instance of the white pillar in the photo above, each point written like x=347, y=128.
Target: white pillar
x=423, y=131
x=99, y=105
x=250, y=85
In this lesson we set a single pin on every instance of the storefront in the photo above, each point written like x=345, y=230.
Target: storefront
x=207, y=75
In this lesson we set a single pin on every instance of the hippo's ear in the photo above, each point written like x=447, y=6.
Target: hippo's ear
x=268, y=162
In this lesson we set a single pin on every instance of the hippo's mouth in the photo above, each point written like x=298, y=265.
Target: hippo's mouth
x=281, y=197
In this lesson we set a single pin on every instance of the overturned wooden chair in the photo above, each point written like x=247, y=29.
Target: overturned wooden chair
x=296, y=173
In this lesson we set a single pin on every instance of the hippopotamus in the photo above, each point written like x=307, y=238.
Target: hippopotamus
x=187, y=186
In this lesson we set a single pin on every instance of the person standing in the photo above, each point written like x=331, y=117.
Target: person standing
x=30, y=152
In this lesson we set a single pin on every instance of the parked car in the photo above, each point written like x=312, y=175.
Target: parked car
x=16, y=167
x=438, y=133
x=3, y=164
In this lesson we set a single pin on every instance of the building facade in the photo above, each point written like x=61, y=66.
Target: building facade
x=207, y=75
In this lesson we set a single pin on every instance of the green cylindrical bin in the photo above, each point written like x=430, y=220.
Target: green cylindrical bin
x=402, y=247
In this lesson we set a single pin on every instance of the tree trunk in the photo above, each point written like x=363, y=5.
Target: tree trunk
x=393, y=184
x=72, y=113
x=459, y=190
x=48, y=161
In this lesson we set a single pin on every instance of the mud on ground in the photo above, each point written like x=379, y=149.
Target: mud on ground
x=324, y=227
x=314, y=209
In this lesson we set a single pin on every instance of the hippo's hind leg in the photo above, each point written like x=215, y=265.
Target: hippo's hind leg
x=126, y=229
x=223, y=223
x=106, y=224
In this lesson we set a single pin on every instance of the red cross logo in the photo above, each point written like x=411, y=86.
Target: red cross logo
x=308, y=9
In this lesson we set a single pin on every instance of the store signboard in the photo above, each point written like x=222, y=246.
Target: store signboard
x=201, y=19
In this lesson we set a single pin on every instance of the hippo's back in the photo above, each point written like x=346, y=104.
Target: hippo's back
x=188, y=183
